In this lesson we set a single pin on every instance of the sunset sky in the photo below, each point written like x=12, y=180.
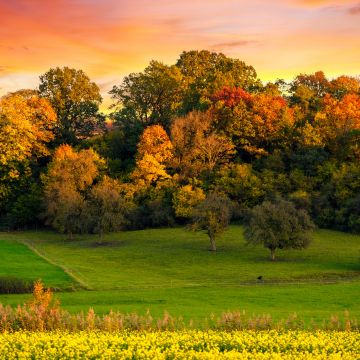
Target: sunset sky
x=111, y=38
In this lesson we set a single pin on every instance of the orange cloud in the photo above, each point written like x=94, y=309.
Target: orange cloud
x=325, y=2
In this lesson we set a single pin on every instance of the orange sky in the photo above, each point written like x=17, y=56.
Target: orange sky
x=111, y=38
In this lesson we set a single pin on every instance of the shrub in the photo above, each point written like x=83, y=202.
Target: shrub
x=12, y=285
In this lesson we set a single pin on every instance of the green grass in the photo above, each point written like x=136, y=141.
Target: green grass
x=18, y=261
x=172, y=269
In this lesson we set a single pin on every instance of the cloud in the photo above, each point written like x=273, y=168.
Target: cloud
x=234, y=44
x=354, y=10
x=321, y=3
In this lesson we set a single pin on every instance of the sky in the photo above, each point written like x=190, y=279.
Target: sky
x=109, y=39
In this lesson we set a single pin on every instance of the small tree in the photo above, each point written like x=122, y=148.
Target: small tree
x=278, y=226
x=213, y=216
x=105, y=208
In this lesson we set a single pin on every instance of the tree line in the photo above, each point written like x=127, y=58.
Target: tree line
x=177, y=136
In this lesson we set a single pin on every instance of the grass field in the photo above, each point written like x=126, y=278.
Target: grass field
x=171, y=269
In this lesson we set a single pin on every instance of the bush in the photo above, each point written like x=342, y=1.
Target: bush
x=12, y=285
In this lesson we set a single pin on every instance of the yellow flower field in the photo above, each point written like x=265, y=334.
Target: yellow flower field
x=186, y=344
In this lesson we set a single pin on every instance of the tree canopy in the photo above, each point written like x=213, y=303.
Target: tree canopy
x=278, y=225
x=75, y=99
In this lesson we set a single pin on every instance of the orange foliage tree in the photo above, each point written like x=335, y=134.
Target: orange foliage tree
x=197, y=147
x=69, y=175
x=255, y=123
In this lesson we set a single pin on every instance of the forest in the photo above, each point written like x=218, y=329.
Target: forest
x=205, y=130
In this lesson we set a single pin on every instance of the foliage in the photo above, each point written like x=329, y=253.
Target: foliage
x=150, y=97
x=240, y=183
x=13, y=285
x=255, y=123
x=69, y=175
x=213, y=216
x=198, y=149
x=185, y=199
x=75, y=99
x=26, y=127
x=278, y=225
x=206, y=121
x=206, y=72
x=154, y=152
x=105, y=209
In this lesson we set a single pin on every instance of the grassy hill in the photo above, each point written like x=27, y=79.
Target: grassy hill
x=172, y=269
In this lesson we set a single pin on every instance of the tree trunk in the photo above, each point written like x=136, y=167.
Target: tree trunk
x=272, y=254
x=213, y=243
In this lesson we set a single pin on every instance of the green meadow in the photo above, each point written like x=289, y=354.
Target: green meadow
x=172, y=270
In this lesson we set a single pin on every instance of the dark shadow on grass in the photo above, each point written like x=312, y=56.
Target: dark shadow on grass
x=105, y=244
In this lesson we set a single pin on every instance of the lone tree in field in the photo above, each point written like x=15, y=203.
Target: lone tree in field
x=213, y=216
x=278, y=226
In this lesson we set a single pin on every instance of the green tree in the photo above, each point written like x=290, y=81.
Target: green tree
x=278, y=225
x=185, y=199
x=76, y=101
x=212, y=216
x=105, y=209
x=150, y=97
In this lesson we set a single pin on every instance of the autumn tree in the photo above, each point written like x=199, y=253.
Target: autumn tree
x=317, y=83
x=76, y=101
x=26, y=127
x=206, y=72
x=26, y=123
x=339, y=117
x=185, y=199
x=105, y=209
x=278, y=225
x=212, y=216
x=255, y=123
x=197, y=147
x=154, y=153
x=150, y=97
x=69, y=176
x=344, y=85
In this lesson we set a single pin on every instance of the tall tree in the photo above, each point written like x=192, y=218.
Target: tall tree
x=344, y=85
x=198, y=149
x=205, y=72
x=70, y=175
x=150, y=97
x=76, y=101
x=26, y=124
x=255, y=123
x=154, y=153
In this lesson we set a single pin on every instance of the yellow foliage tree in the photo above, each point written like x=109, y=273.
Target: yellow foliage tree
x=26, y=123
x=154, y=153
x=185, y=199
x=69, y=174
